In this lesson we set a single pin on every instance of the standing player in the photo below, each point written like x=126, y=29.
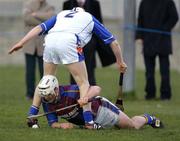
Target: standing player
x=94, y=46
x=104, y=112
x=68, y=32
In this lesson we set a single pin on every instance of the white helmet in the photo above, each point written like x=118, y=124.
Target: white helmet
x=78, y=9
x=47, y=85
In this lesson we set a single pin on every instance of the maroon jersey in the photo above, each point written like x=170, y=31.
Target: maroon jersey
x=68, y=95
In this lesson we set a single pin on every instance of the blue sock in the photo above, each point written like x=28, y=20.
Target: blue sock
x=149, y=118
x=88, y=118
x=33, y=110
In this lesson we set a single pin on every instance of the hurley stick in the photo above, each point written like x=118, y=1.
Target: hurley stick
x=119, y=101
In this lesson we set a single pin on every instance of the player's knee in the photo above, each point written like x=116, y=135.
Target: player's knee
x=126, y=122
x=96, y=89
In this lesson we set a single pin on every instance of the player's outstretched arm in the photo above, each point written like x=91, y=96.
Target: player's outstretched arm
x=34, y=109
x=32, y=33
x=37, y=99
x=65, y=125
x=118, y=54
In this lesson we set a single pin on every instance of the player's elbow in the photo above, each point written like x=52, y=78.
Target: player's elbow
x=97, y=90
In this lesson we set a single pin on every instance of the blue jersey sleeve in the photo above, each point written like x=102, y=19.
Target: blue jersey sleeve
x=102, y=32
x=47, y=25
x=50, y=117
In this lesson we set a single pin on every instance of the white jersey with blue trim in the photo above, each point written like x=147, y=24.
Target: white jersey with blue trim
x=82, y=24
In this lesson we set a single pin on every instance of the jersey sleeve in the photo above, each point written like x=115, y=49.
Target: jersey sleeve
x=50, y=117
x=103, y=33
x=71, y=91
x=47, y=25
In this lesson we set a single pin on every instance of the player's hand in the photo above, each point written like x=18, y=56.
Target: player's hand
x=83, y=101
x=122, y=67
x=31, y=122
x=94, y=126
x=15, y=48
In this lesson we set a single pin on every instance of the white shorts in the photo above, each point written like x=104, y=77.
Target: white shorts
x=62, y=48
x=107, y=115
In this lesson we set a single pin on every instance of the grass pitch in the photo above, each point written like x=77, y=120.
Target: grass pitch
x=14, y=107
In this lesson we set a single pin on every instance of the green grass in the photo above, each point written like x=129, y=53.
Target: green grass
x=14, y=108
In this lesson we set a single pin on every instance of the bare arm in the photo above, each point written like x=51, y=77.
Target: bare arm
x=31, y=34
x=36, y=99
x=66, y=125
x=118, y=54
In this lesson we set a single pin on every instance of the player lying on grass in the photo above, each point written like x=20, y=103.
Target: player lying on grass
x=52, y=96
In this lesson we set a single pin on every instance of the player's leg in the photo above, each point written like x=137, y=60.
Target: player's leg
x=89, y=53
x=138, y=122
x=50, y=68
x=113, y=113
x=93, y=91
x=125, y=121
x=78, y=71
